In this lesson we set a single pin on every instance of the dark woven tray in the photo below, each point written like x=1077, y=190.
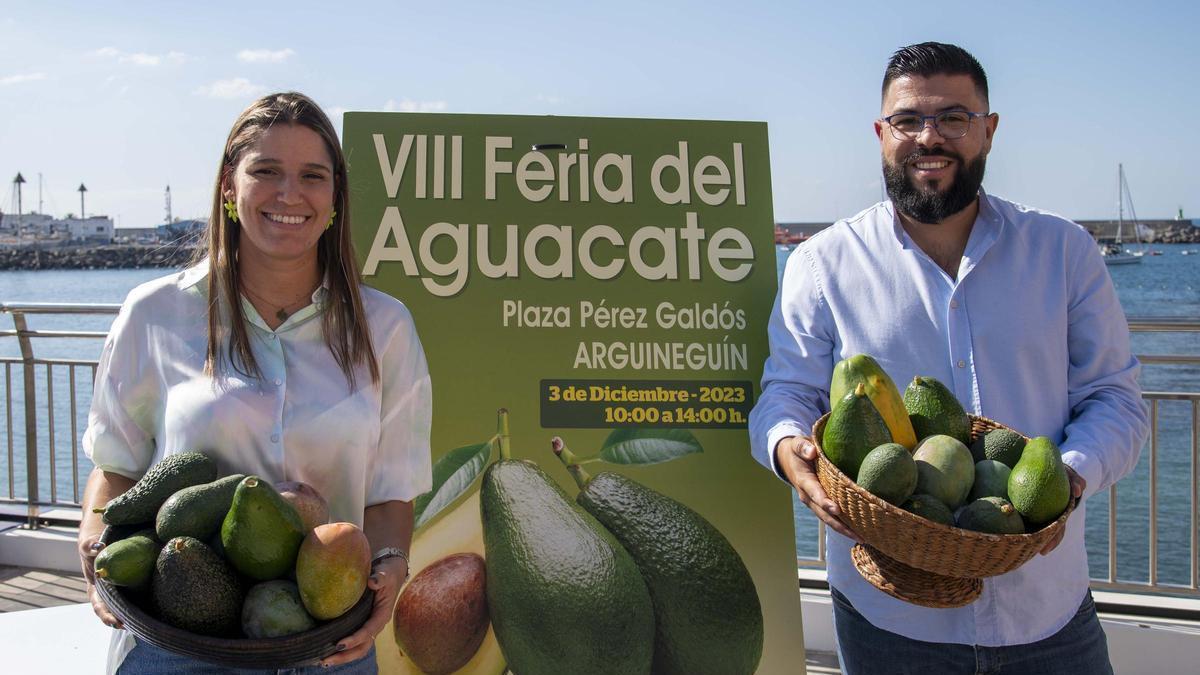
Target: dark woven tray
x=295, y=650
x=922, y=544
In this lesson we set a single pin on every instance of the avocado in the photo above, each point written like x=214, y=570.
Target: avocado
x=929, y=508
x=944, y=470
x=862, y=369
x=853, y=429
x=140, y=503
x=261, y=533
x=708, y=620
x=273, y=609
x=563, y=594
x=194, y=589
x=934, y=410
x=197, y=511
x=994, y=515
x=128, y=562
x=1002, y=445
x=889, y=472
x=991, y=480
x=1038, y=485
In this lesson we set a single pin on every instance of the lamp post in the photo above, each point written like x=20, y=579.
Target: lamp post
x=82, y=189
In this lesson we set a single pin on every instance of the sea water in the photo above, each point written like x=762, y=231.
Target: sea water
x=1166, y=285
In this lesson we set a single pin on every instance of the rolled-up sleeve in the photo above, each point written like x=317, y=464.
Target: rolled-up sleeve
x=1109, y=423
x=795, y=383
x=125, y=400
x=402, y=468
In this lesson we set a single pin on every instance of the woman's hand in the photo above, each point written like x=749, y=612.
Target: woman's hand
x=386, y=579
x=89, y=547
x=102, y=486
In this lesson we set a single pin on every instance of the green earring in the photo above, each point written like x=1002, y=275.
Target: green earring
x=231, y=211
x=332, y=215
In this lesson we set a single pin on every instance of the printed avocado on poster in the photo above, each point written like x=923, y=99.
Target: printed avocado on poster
x=592, y=296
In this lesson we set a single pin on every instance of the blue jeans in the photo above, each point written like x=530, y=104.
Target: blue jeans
x=146, y=659
x=1079, y=648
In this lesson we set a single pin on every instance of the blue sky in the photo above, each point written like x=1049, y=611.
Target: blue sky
x=132, y=96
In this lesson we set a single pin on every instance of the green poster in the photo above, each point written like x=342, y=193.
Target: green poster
x=607, y=282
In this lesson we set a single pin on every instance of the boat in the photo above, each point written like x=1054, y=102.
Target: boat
x=1113, y=253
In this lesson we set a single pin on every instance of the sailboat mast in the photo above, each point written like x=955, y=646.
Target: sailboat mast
x=1120, y=200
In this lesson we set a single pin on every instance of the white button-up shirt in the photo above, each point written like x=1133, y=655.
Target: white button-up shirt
x=1029, y=334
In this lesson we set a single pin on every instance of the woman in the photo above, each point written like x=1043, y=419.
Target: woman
x=303, y=376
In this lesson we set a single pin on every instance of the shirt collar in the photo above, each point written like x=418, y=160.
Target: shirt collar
x=191, y=277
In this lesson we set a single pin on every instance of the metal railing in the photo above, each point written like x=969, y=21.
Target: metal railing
x=35, y=500
x=1154, y=400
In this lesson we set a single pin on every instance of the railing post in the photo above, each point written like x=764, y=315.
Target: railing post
x=31, y=463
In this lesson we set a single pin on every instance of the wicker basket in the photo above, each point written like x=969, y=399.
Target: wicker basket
x=295, y=650
x=937, y=552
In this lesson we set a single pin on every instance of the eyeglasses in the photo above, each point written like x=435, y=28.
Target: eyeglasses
x=949, y=125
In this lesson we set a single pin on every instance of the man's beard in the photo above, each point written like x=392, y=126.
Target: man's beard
x=934, y=206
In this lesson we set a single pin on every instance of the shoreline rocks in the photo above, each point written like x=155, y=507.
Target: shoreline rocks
x=96, y=257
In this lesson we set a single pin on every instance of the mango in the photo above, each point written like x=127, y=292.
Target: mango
x=309, y=504
x=441, y=616
x=332, y=569
x=945, y=470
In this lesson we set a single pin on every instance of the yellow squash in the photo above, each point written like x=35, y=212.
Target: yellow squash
x=862, y=369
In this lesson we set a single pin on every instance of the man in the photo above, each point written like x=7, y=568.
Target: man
x=1012, y=309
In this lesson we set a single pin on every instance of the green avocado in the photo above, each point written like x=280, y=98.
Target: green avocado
x=934, y=410
x=929, y=508
x=708, y=618
x=853, y=429
x=564, y=596
x=991, y=514
x=1038, y=485
x=261, y=533
x=140, y=503
x=1002, y=445
x=991, y=480
x=194, y=589
x=128, y=562
x=196, y=511
x=889, y=472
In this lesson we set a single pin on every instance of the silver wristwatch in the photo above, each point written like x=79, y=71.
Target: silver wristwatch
x=390, y=552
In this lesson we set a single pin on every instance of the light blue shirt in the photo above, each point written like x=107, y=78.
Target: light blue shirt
x=1030, y=334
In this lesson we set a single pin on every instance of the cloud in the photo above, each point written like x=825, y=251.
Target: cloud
x=22, y=78
x=238, y=87
x=549, y=98
x=414, y=106
x=265, y=55
x=140, y=58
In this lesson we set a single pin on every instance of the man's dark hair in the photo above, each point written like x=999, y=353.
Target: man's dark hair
x=935, y=58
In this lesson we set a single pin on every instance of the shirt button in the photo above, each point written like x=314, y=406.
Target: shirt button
x=273, y=336
x=278, y=382
x=962, y=364
x=274, y=438
x=953, y=304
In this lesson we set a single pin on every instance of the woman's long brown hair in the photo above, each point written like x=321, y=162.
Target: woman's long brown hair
x=344, y=320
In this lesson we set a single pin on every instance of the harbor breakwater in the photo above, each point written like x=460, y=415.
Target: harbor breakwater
x=126, y=256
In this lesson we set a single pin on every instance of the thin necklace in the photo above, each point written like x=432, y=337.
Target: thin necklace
x=280, y=313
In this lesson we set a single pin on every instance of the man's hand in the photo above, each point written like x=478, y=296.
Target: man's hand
x=797, y=456
x=385, y=580
x=1078, y=484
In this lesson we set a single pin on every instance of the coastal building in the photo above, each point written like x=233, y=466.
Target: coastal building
x=93, y=229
